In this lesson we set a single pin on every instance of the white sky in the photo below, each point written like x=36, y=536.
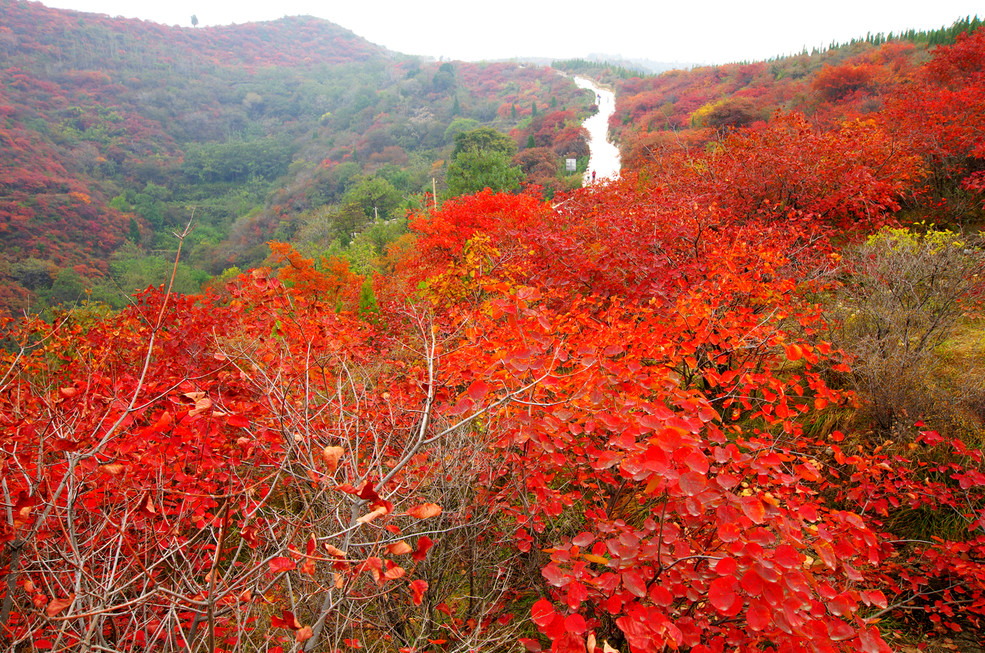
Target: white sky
x=709, y=31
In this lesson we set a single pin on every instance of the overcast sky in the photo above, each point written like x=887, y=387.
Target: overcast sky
x=709, y=31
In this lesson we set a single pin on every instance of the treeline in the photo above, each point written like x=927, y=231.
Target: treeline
x=942, y=36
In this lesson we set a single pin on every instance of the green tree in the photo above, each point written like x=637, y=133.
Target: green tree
x=458, y=126
x=132, y=270
x=368, y=306
x=444, y=79
x=68, y=287
x=376, y=196
x=484, y=139
x=475, y=170
x=483, y=158
x=134, y=234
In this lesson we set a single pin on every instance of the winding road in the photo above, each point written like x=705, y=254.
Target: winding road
x=604, y=159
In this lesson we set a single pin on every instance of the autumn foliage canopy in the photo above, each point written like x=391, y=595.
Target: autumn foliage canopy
x=593, y=424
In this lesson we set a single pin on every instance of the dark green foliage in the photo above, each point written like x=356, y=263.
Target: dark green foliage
x=475, y=170
x=134, y=231
x=482, y=158
x=484, y=139
x=375, y=196
x=237, y=161
x=368, y=305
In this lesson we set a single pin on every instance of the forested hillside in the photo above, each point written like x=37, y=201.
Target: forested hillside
x=880, y=78
x=116, y=131
x=731, y=401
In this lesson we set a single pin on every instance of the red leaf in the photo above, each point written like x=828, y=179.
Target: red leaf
x=839, y=631
x=424, y=543
x=286, y=620
x=876, y=598
x=417, y=589
x=367, y=493
x=634, y=583
x=239, y=421
x=752, y=583
x=379, y=511
x=281, y=564
x=722, y=595
x=871, y=641
x=22, y=509
x=697, y=461
x=58, y=605
x=332, y=456
x=147, y=506
x=393, y=571
x=758, y=616
x=575, y=623
x=477, y=391
x=753, y=509
x=583, y=539
x=425, y=510
x=842, y=605
x=693, y=483
x=788, y=557
x=726, y=566
x=542, y=613
x=399, y=548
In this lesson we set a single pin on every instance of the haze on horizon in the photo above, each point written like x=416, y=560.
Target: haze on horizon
x=721, y=31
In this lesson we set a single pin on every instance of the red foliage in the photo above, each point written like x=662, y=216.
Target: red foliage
x=836, y=82
x=937, y=117
x=627, y=382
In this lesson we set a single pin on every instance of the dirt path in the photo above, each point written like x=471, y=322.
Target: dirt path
x=604, y=158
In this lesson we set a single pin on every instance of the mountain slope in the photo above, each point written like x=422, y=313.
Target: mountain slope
x=118, y=130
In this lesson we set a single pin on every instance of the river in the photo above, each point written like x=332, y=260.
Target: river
x=604, y=159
